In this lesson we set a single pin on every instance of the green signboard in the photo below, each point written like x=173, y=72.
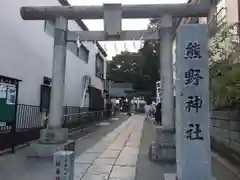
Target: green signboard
x=8, y=99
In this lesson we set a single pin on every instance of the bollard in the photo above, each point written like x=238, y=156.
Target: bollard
x=64, y=165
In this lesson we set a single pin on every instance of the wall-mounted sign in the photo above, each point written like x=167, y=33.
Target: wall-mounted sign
x=8, y=100
x=3, y=90
x=11, y=95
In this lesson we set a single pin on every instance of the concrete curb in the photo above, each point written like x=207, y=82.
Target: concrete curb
x=234, y=169
x=71, y=132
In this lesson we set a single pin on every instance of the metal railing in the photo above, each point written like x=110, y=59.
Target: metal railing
x=29, y=123
x=28, y=117
x=77, y=120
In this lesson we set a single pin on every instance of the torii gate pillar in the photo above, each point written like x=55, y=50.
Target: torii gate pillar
x=164, y=147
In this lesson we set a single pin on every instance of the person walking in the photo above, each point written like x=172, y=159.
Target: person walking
x=147, y=109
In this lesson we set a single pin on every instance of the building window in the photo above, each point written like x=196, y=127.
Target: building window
x=72, y=47
x=99, y=66
x=83, y=53
x=45, y=94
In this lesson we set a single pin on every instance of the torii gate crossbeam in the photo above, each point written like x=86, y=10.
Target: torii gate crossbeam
x=128, y=11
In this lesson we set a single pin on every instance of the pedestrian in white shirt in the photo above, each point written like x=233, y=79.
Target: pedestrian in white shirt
x=147, y=109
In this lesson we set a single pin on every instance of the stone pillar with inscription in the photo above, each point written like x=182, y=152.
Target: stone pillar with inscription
x=192, y=104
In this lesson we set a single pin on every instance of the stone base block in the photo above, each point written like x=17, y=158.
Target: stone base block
x=173, y=176
x=162, y=153
x=164, y=148
x=165, y=136
x=47, y=150
x=53, y=136
x=170, y=176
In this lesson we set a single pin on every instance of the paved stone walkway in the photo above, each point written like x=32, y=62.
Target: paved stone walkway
x=18, y=167
x=115, y=156
x=118, y=150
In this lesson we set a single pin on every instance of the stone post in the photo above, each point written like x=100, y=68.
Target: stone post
x=192, y=104
x=64, y=165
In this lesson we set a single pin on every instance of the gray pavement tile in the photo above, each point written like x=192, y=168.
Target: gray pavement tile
x=110, y=137
x=122, y=138
x=121, y=135
x=102, y=144
x=136, y=145
x=95, y=177
x=87, y=158
x=110, y=154
x=115, y=146
x=103, y=161
x=99, y=169
x=106, y=142
x=98, y=148
x=79, y=170
x=123, y=172
x=120, y=178
x=130, y=151
x=126, y=160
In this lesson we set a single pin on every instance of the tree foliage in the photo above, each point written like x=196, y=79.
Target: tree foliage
x=141, y=68
x=224, y=69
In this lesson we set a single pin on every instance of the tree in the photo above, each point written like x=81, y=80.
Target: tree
x=125, y=67
x=140, y=69
x=151, y=66
x=224, y=66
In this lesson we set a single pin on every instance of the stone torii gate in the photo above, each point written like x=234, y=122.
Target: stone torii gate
x=112, y=15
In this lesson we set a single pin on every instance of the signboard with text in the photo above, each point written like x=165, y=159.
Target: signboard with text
x=192, y=103
x=8, y=99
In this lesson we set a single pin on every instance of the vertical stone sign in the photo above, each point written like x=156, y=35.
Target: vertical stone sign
x=64, y=165
x=192, y=103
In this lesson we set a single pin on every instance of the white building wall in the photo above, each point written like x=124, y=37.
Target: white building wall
x=232, y=11
x=26, y=53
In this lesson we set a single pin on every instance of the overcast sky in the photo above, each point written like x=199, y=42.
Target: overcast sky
x=113, y=48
